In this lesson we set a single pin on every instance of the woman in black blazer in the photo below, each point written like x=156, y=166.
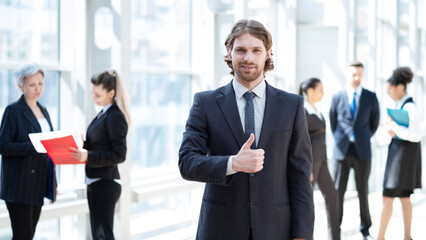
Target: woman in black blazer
x=26, y=176
x=403, y=165
x=104, y=148
x=312, y=90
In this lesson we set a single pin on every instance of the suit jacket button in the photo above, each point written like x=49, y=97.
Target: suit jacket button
x=248, y=205
x=32, y=171
x=252, y=174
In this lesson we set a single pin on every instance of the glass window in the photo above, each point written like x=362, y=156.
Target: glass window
x=161, y=34
x=160, y=107
x=31, y=32
x=362, y=17
x=8, y=89
x=264, y=12
x=50, y=98
x=103, y=28
x=160, y=102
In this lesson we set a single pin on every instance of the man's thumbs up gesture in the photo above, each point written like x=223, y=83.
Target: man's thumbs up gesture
x=248, y=160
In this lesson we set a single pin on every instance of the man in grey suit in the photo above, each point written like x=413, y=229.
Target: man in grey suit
x=354, y=118
x=249, y=143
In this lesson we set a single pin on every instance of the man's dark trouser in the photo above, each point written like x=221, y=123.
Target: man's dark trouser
x=362, y=170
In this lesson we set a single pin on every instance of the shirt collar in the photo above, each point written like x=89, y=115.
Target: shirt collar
x=106, y=107
x=350, y=90
x=399, y=103
x=309, y=108
x=239, y=89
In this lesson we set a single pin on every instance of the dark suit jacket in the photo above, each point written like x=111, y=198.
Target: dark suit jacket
x=23, y=170
x=316, y=129
x=106, y=144
x=277, y=201
x=364, y=125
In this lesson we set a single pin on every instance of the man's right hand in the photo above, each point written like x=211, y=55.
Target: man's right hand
x=248, y=160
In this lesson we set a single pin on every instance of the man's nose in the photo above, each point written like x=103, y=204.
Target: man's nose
x=248, y=56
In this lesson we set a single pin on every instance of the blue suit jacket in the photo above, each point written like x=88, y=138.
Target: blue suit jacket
x=23, y=170
x=277, y=201
x=363, y=126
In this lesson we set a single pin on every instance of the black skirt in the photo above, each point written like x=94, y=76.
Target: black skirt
x=403, y=166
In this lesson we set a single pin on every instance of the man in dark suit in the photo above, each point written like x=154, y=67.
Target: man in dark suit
x=354, y=118
x=249, y=143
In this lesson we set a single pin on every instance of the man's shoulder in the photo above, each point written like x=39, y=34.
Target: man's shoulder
x=209, y=94
x=339, y=94
x=283, y=94
x=215, y=92
x=368, y=92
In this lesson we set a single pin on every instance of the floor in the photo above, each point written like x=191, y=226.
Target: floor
x=350, y=224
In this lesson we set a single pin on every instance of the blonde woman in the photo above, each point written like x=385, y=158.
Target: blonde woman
x=104, y=148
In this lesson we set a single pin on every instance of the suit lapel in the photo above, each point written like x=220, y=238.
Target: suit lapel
x=270, y=117
x=361, y=103
x=347, y=107
x=228, y=105
x=96, y=121
x=26, y=111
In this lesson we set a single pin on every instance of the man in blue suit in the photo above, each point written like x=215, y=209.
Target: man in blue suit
x=354, y=118
x=249, y=143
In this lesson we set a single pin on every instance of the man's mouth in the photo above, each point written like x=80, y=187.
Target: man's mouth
x=248, y=67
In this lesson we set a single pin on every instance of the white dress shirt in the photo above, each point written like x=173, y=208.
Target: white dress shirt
x=259, y=102
x=44, y=124
x=411, y=133
x=350, y=92
x=312, y=110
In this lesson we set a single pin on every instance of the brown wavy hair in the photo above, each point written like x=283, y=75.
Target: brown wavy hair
x=256, y=29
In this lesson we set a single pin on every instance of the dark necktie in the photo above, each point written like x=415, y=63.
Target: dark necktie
x=249, y=116
x=353, y=106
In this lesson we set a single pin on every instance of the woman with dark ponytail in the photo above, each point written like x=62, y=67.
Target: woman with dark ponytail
x=312, y=90
x=104, y=148
x=403, y=166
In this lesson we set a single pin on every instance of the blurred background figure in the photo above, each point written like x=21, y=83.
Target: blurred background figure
x=312, y=91
x=26, y=176
x=354, y=118
x=104, y=148
x=403, y=166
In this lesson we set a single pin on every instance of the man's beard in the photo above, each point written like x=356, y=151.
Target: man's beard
x=247, y=77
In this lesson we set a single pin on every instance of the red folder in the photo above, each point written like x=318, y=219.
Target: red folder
x=58, y=150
